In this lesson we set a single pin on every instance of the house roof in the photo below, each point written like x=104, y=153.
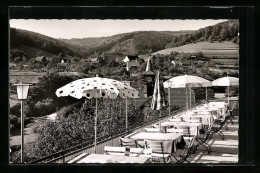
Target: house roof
x=130, y=58
x=39, y=58
x=49, y=59
x=94, y=59
x=149, y=70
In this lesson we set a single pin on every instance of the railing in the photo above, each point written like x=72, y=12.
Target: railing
x=66, y=155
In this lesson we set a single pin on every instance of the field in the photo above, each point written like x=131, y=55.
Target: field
x=220, y=50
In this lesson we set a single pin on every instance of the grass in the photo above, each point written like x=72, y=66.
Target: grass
x=29, y=135
x=223, y=49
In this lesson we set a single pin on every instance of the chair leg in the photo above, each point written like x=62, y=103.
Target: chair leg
x=221, y=135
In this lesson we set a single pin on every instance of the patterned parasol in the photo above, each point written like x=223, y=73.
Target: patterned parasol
x=98, y=87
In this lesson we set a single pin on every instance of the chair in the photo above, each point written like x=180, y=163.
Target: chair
x=175, y=119
x=152, y=129
x=173, y=130
x=217, y=126
x=156, y=125
x=140, y=152
x=126, y=142
x=183, y=154
x=140, y=144
x=231, y=114
x=186, y=132
x=116, y=151
x=194, y=121
x=157, y=150
x=201, y=139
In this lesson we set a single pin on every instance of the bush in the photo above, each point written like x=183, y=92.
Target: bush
x=233, y=91
x=200, y=93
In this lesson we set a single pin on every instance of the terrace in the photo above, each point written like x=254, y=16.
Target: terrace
x=222, y=150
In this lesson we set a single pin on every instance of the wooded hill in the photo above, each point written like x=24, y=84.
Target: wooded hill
x=140, y=42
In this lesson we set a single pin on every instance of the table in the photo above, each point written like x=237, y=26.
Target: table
x=194, y=127
x=213, y=111
x=206, y=119
x=103, y=158
x=169, y=140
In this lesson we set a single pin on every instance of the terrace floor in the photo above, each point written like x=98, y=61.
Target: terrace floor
x=223, y=151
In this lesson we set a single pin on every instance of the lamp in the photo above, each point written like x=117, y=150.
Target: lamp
x=22, y=93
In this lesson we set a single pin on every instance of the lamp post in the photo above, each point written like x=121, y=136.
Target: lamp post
x=22, y=93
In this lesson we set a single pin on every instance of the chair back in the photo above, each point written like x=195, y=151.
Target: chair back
x=126, y=142
x=186, y=132
x=156, y=146
x=117, y=151
x=140, y=144
x=173, y=130
x=139, y=152
x=194, y=121
x=175, y=119
x=152, y=129
x=203, y=113
x=155, y=125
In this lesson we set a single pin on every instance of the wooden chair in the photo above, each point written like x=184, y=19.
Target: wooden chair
x=181, y=155
x=140, y=144
x=173, y=130
x=117, y=151
x=152, y=129
x=155, y=125
x=175, y=119
x=194, y=121
x=231, y=114
x=186, y=132
x=157, y=150
x=140, y=152
x=126, y=142
x=217, y=126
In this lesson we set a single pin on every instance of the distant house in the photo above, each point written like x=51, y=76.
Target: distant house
x=176, y=63
x=132, y=61
x=49, y=59
x=41, y=59
x=96, y=60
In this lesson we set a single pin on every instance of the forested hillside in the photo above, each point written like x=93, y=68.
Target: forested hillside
x=140, y=42
x=224, y=31
x=20, y=38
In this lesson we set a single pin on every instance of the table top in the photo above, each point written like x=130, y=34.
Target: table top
x=206, y=110
x=197, y=116
x=171, y=123
x=156, y=136
x=103, y=158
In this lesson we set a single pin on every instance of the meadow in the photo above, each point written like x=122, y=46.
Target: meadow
x=225, y=49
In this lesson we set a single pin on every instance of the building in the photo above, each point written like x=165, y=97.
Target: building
x=132, y=62
x=49, y=59
x=41, y=59
x=95, y=61
x=148, y=84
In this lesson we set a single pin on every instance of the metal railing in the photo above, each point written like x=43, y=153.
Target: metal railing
x=88, y=147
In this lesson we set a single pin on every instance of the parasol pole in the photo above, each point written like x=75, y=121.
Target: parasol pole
x=228, y=95
x=160, y=121
x=169, y=93
x=126, y=119
x=187, y=104
x=190, y=97
x=206, y=93
x=95, y=143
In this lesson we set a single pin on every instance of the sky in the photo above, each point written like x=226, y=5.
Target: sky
x=68, y=29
